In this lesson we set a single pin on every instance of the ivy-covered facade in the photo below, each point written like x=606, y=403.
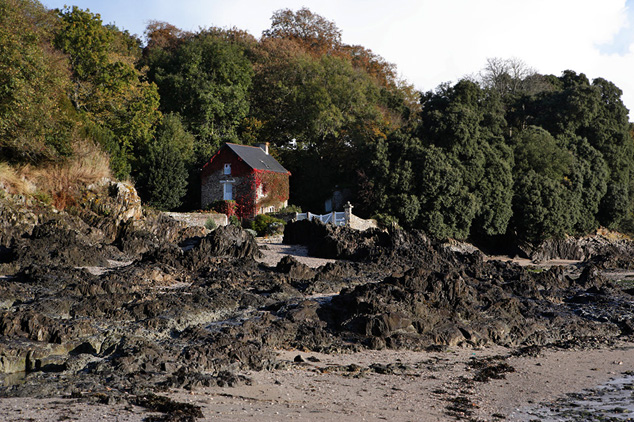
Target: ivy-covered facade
x=248, y=176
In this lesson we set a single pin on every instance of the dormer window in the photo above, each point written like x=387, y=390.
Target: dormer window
x=227, y=168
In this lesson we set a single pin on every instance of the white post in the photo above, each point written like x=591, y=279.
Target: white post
x=348, y=213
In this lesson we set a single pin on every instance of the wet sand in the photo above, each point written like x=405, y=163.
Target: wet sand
x=422, y=386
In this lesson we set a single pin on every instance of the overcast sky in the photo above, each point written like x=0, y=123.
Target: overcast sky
x=430, y=41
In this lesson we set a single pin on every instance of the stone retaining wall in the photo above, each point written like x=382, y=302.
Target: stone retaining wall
x=199, y=218
x=358, y=223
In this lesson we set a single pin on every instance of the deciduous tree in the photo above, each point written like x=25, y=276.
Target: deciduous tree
x=316, y=33
x=107, y=86
x=36, y=118
x=206, y=80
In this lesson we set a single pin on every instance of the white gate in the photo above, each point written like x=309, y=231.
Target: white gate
x=336, y=218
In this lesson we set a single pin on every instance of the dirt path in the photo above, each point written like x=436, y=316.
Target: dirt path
x=273, y=250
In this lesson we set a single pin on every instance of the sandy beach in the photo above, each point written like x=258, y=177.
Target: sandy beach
x=372, y=386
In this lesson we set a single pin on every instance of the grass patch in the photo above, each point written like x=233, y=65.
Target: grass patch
x=59, y=182
x=210, y=224
x=14, y=181
x=626, y=283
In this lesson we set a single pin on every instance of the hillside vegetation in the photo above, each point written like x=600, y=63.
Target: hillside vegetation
x=508, y=152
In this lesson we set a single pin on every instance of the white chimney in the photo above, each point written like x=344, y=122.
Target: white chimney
x=265, y=147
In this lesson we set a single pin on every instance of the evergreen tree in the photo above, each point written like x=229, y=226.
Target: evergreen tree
x=575, y=108
x=163, y=176
x=467, y=123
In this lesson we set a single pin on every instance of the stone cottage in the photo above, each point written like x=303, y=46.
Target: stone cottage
x=248, y=175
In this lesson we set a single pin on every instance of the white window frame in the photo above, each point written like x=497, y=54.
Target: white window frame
x=259, y=192
x=227, y=191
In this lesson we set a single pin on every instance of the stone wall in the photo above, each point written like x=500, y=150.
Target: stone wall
x=355, y=222
x=199, y=218
x=212, y=190
x=358, y=223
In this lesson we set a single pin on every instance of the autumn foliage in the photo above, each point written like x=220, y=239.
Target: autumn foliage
x=507, y=152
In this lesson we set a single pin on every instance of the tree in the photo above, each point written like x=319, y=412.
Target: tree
x=318, y=36
x=162, y=36
x=536, y=149
x=323, y=103
x=589, y=180
x=86, y=41
x=508, y=76
x=36, y=119
x=447, y=207
x=594, y=112
x=206, y=80
x=315, y=33
x=545, y=203
x=466, y=123
x=422, y=187
x=568, y=168
x=397, y=97
x=325, y=107
x=162, y=179
x=494, y=193
x=166, y=176
x=307, y=99
x=541, y=208
x=107, y=87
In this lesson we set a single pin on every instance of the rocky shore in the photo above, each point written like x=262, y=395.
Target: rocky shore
x=114, y=305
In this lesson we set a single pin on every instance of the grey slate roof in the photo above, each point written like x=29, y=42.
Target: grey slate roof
x=256, y=158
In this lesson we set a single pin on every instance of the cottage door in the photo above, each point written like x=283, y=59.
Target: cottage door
x=228, y=192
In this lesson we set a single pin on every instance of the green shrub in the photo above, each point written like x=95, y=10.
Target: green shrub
x=43, y=197
x=385, y=220
x=290, y=209
x=266, y=225
x=210, y=224
x=234, y=221
x=164, y=181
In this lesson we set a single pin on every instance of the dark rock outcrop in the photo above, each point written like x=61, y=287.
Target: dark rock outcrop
x=184, y=310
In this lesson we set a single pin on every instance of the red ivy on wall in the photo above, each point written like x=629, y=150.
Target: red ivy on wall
x=225, y=207
x=245, y=198
x=275, y=187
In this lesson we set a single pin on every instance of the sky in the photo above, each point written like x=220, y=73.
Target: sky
x=429, y=41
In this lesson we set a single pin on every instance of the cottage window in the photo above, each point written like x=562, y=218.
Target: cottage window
x=227, y=168
x=227, y=191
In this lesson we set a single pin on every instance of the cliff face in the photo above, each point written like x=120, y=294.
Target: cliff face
x=101, y=209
